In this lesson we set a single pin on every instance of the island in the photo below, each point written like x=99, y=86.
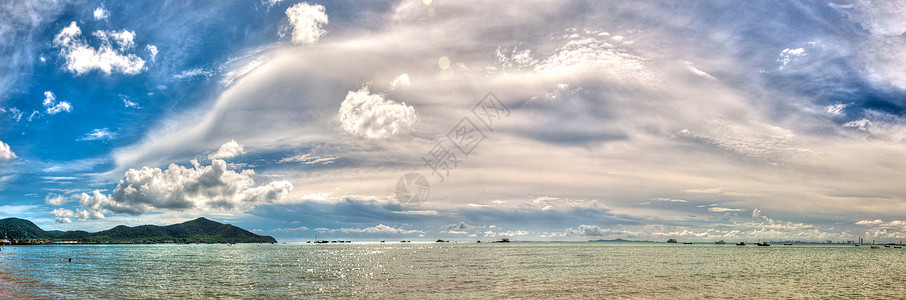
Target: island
x=201, y=230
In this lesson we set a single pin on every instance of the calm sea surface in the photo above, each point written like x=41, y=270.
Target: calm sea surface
x=452, y=270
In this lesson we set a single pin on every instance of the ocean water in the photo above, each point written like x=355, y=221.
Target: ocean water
x=452, y=270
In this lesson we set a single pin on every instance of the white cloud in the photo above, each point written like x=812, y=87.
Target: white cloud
x=418, y=212
x=308, y=159
x=378, y=229
x=131, y=104
x=591, y=230
x=768, y=143
x=870, y=223
x=373, y=116
x=400, y=81
x=98, y=134
x=669, y=200
x=234, y=75
x=63, y=215
x=14, y=113
x=306, y=22
x=190, y=73
x=459, y=228
x=180, y=188
x=101, y=14
x=228, y=150
x=756, y=213
x=33, y=115
x=124, y=39
x=94, y=205
x=724, y=209
x=877, y=17
x=5, y=152
x=836, y=109
x=82, y=58
x=508, y=233
x=270, y=3
x=53, y=199
x=590, y=54
x=790, y=55
x=152, y=52
x=515, y=60
x=297, y=229
x=52, y=106
x=59, y=178
x=862, y=124
x=699, y=72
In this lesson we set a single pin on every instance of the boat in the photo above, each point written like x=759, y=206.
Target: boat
x=687, y=243
x=503, y=240
x=741, y=244
x=875, y=247
x=895, y=247
x=317, y=241
x=763, y=244
x=442, y=241
x=787, y=244
x=720, y=242
x=672, y=241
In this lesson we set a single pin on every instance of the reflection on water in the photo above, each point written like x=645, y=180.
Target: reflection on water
x=451, y=270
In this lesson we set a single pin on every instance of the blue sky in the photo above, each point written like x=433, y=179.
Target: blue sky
x=640, y=120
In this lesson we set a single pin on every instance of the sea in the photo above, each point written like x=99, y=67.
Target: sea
x=517, y=270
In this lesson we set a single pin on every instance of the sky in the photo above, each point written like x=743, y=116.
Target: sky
x=459, y=120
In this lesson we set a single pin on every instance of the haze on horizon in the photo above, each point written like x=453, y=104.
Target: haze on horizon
x=647, y=120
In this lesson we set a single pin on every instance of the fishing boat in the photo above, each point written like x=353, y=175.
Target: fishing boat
x=720, y=242
x=763, y=244
x=673, y=241
x=741, y=244
x=875, y=247
x=503, y=240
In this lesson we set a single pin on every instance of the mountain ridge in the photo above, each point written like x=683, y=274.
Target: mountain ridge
x=199, y=230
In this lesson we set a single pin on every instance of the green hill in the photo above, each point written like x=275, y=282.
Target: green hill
x=21, y=229
x=200, y=230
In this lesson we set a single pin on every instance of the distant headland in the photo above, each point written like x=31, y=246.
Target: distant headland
x=201, y=230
